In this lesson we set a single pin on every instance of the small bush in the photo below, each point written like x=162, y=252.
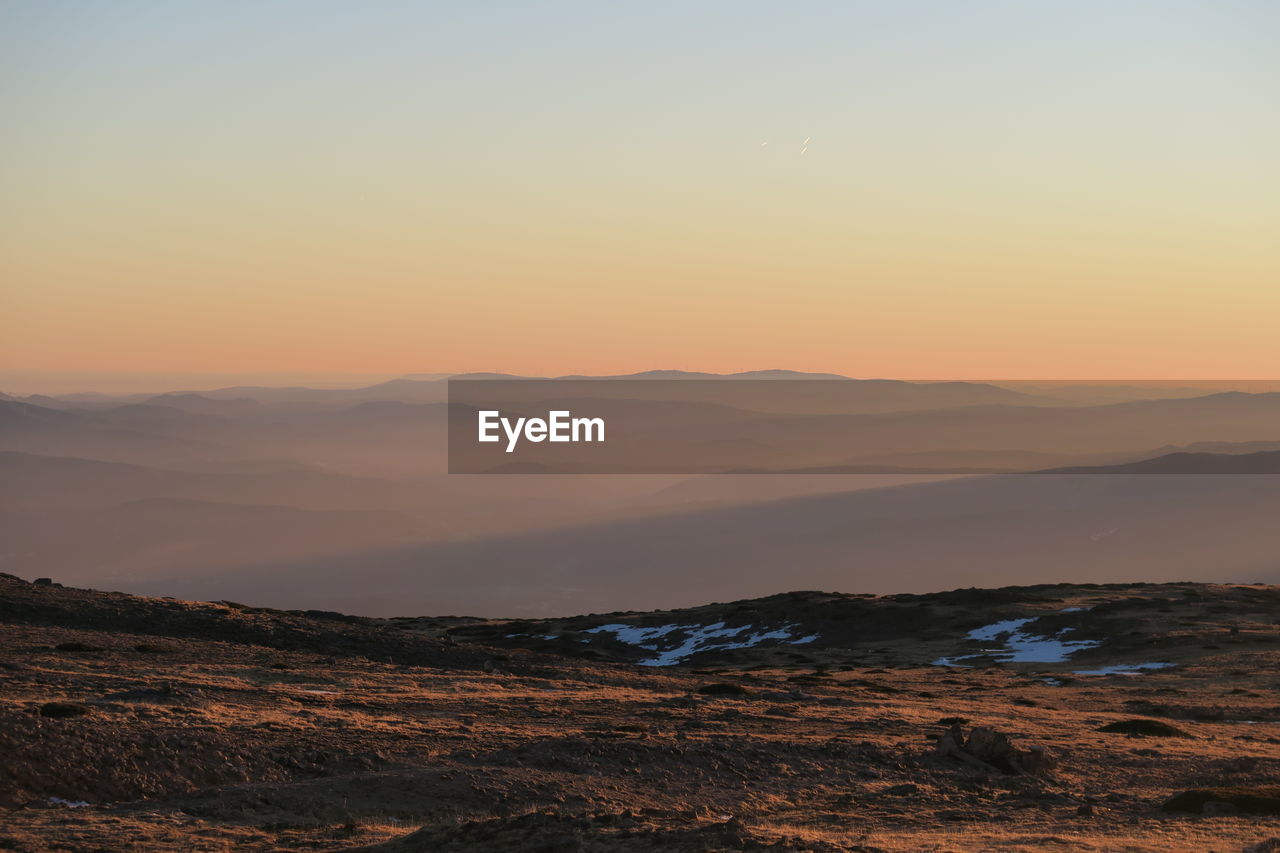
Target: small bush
x=1143, y=728
x=723, y=688
x=76, y=647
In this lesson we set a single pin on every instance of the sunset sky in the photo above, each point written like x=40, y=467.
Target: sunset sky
x=989, y=189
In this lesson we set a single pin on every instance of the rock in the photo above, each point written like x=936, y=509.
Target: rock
x=1037, y=760
x=990, y=750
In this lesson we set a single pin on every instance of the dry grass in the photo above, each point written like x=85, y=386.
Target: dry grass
x=209, y=746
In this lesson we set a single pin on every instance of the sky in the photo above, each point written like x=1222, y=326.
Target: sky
x=911, y=189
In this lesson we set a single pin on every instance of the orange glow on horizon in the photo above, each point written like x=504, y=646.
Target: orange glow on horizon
x=992, y=192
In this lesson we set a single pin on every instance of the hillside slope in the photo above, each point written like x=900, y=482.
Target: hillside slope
x=159, y=725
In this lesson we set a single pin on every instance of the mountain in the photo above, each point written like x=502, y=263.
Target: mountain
x=1227, y=447
x=153, y=416
x=55, y=482
x=1098, y=394
x=696, y=374
x=781, y=427
x=144, y=538
x=761, y=392
x=531, y=545
x=199, y=404
x=857, y=394
x=375, y=438
x=64, y=514
x=431, y=387
x=16, y=416
x=1267, y=462
x=148, y=434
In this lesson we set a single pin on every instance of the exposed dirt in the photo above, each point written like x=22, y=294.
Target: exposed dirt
x=215, y=727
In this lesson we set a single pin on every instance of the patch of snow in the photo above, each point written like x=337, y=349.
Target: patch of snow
x=71, y=804
x=1019, y=646
x=1124, y=669
x=697, y=638
x=995, y=629
x=634, y=636
x=322, y=692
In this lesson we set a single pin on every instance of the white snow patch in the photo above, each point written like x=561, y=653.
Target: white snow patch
x=71, y=804
x=1019, y=646
x=698, y=638
x=1124, y=669
x=634, y=636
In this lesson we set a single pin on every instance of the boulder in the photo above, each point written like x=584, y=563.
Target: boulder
x=990, y=750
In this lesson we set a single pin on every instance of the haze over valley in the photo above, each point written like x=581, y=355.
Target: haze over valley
x=339, y=498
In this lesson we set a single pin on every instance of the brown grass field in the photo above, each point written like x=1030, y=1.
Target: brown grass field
x=131, y=724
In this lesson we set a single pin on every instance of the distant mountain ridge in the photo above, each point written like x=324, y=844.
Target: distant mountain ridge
x=1265, y=462
x=420, y=388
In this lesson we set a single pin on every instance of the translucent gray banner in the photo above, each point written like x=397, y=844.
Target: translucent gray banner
x=846, y=426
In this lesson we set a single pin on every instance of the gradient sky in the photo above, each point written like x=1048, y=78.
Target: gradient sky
x=992, y=189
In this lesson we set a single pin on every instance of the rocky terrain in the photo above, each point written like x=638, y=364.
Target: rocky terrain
x=1064, y=718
